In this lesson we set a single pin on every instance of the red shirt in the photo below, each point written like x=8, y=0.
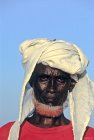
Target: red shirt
x=31, y=132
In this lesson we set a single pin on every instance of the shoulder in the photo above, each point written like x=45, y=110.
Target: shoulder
x=4, y=130
x=89, y=133
x=90, y=129
x=7, y=126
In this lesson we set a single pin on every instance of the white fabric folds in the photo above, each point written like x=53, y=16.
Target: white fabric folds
x=66, y=57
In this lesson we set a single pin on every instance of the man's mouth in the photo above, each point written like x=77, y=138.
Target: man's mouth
x=50, y=100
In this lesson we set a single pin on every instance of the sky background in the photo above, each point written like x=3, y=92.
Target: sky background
x=69, y=20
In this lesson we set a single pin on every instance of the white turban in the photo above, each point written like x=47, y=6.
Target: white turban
x=68, y=58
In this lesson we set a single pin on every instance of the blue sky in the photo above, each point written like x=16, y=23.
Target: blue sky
x=69, y=20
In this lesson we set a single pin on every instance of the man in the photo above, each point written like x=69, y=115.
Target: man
x=54, y=70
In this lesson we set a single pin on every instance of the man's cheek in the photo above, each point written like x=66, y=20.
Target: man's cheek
x=42, y=87
x=60, y=89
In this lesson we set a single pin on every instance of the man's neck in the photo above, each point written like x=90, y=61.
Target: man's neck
x=46, y=122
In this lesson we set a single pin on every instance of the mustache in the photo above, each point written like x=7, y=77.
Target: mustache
x=58, y=99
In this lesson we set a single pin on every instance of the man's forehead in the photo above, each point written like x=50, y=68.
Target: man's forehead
x=46, y=69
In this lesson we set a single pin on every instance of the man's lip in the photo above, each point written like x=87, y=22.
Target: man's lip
x=50, y=95
x=50, y=98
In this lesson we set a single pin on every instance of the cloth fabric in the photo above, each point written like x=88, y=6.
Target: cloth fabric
x=68, y=58
x=31, y=132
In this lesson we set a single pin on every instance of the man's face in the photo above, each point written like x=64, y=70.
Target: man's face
x=50, y=85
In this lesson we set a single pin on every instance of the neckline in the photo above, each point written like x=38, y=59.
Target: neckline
x=30, y=127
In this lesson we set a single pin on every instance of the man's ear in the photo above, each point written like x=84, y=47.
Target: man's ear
x=31, y=82
x=32, y=79
x=72, y=85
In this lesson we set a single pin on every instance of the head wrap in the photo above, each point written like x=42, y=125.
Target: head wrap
x=68, y=58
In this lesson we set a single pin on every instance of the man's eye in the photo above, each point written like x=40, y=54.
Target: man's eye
x=43, y=78
x=61, y=79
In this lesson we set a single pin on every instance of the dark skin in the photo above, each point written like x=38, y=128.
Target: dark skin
x=51, y=87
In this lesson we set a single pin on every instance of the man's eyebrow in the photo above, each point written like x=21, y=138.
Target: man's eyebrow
x=63, y=76
x=43, y=74
x=59, y=75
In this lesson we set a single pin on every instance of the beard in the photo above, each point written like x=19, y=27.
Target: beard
x=47, y=110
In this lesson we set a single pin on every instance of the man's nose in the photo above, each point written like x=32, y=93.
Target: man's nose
x=52, y=86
